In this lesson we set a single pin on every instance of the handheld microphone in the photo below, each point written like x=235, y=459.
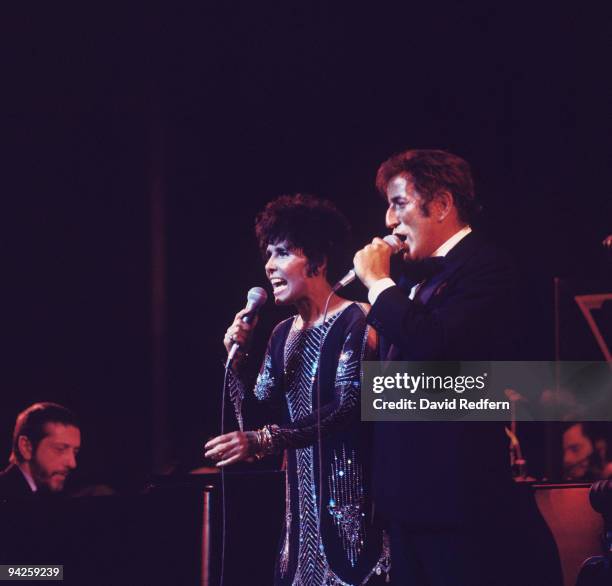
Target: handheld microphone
x=256, y=298
x=392, y=240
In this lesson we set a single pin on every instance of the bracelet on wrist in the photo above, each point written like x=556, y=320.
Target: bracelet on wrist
x=265, y=441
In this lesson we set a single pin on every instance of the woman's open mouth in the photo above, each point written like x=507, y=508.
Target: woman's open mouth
x=278, y=284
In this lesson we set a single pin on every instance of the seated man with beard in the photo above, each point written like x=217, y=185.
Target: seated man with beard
x=46, y=441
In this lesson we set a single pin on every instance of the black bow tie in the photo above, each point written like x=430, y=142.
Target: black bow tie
x=420, y=270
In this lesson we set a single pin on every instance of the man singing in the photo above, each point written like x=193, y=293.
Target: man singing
x=445, y=488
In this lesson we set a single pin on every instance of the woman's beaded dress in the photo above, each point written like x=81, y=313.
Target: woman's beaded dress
x=349, y=549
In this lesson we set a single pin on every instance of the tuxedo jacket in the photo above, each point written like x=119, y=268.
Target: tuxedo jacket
x=13, y=484
x=447, y=473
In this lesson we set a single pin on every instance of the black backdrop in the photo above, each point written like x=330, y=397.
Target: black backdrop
x=140, y=144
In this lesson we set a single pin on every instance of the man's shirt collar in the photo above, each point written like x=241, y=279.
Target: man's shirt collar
x=457, y=237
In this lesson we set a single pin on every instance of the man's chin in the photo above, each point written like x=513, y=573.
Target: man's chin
x=408, y=257
x=56, y=484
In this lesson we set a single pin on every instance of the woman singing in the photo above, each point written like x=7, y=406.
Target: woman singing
x=302, y=237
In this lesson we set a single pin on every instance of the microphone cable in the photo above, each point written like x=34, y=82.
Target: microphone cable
x=256, y=297
x=223, y=507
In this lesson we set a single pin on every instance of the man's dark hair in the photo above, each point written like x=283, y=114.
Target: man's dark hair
x=432, y=172
x=312, y=224
x=31, y=423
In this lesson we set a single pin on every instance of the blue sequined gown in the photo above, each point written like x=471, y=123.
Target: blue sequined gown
x=350, y=548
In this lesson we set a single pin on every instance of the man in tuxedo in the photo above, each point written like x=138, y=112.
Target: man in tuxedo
x=46, y=441
x=445, y=488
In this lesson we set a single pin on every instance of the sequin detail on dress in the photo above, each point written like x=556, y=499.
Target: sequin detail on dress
x=301, y=362
x=265, y=380
x=345, y=367
x=284, y=553
x=236, y=394
x=346, y=503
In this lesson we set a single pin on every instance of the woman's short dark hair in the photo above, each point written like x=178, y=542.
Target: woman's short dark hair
x=312, y=224
x=31, y=423
x=433, y=171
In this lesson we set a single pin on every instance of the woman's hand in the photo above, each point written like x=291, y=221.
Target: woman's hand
x=239, y=332
x=232, y=447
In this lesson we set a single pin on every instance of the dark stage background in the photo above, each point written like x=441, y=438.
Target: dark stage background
x=140, y=144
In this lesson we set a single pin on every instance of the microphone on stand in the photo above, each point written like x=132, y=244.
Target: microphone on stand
x=396, y=244
x=256, y=298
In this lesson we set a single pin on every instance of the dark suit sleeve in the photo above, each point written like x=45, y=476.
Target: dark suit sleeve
x=471, y=317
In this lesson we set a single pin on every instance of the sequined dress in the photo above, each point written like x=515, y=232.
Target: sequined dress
x=350, y=549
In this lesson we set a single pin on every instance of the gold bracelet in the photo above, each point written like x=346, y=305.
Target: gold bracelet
x=265, y=441
x=257, y=449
